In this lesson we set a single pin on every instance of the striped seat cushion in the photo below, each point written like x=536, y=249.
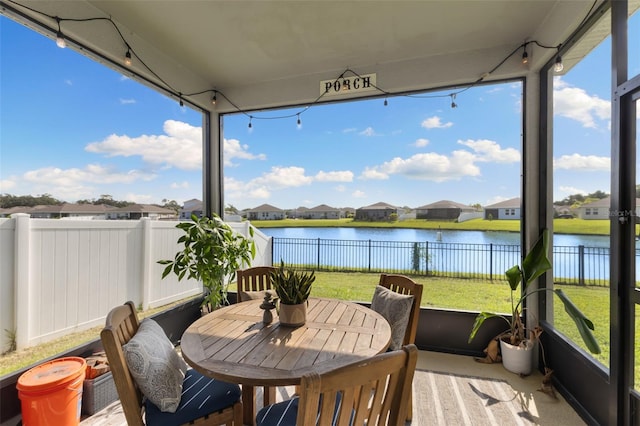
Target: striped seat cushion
x=285, y=413
x=201, y=395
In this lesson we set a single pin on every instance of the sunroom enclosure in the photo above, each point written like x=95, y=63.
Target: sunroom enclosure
x=582, y=380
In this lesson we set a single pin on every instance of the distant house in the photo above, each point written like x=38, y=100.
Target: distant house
x=138, y=211
x=62, y=211
x=323, y=211
x=443, y=210
x=265, y=212
x=509, y=209
x=189, y=207
x=601, y=209
x=377, y=211
x=297, y=213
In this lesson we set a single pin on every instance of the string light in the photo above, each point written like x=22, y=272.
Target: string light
x=558, y=67
x=299, y=122
x=60, y=42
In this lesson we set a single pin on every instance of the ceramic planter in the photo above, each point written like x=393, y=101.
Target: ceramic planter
x=292, y=315
x=517, y=359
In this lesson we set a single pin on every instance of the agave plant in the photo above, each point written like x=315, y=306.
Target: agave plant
x=535, y=264
x=292, y=287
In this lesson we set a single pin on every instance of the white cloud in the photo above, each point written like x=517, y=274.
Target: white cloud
x=92, y=173
x=577, y=104
x=570, y=190
x=435, y=123
x=180, y=146
x=233, y=149
x=419, y=143
x=127, y=101
x=6, y=185
x=427, y=166
x=368, y=132
x=587, y=163
x=358, y=194
x=337, y=176
x=283, y=177
x=180, y=185
x=139, y=198
x=340, y=188
x=490, y=151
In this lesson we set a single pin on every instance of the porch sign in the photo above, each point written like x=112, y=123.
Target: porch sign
x=348, y=85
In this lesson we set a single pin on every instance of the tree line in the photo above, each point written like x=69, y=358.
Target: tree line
x=7, y=201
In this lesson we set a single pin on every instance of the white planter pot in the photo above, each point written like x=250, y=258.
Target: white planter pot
x=292, y=315
x=517, y=359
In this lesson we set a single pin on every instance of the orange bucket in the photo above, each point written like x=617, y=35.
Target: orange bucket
x=51, y=393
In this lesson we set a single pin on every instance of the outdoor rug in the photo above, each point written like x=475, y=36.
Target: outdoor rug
x=450, y=399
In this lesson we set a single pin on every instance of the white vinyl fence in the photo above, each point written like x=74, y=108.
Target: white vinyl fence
x=61, y=276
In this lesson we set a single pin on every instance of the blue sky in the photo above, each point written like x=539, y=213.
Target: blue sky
x=75, y=129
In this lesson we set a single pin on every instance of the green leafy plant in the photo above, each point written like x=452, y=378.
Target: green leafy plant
x=535, y=264
x=292, y=287
x=212, y=254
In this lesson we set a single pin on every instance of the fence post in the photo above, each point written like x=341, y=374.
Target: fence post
x=22, y=289
x=146, y=261
x=491, y=261
x=369, y=256
x=426, y=257
x=581, y=265
x=318, y=263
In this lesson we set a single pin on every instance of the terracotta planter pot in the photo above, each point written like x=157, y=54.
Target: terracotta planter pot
x=517, y=359
x=293, y=315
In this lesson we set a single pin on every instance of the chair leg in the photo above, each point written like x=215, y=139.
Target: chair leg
x=410, y=406
x=269, y=395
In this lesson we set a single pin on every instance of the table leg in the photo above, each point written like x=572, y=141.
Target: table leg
x=269, y=395
x=248, y=405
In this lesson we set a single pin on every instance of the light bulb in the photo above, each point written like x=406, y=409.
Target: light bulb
x=214, y=99
x=127, y=58
x=525, y=57
x=60, y=40
x=558, y=67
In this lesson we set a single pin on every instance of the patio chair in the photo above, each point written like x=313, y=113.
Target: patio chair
x=406, y=286
x=373, y=392
x=201, y=401
x=253, y=282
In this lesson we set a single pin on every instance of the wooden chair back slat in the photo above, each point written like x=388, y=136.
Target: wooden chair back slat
x=257, y=278
x=373, y=391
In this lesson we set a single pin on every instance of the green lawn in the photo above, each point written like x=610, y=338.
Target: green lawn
x=560, y=226
x=447, y=293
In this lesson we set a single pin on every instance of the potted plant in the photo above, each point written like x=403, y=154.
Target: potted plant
x=517, y=340
x=292, y=289
x=212, y=253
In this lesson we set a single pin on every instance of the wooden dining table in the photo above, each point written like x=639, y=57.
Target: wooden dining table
x=233, y=344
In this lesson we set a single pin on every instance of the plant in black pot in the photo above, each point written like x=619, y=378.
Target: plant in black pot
x=517, y=340
x=293, y=289
x=212, y=254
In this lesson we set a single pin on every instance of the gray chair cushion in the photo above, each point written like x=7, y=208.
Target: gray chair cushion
x=396, y=309
x=155, y=365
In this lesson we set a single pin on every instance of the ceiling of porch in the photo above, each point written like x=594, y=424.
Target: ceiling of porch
x=266, y=54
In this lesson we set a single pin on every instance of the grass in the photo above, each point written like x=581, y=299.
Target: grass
x=15, y=360
x=560, y=226
x=457, y=294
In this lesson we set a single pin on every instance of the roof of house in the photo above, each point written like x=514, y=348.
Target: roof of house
x=379, y=206
x=323, y=208
x=445, y=204
x=266, y=208
x=513, y=203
